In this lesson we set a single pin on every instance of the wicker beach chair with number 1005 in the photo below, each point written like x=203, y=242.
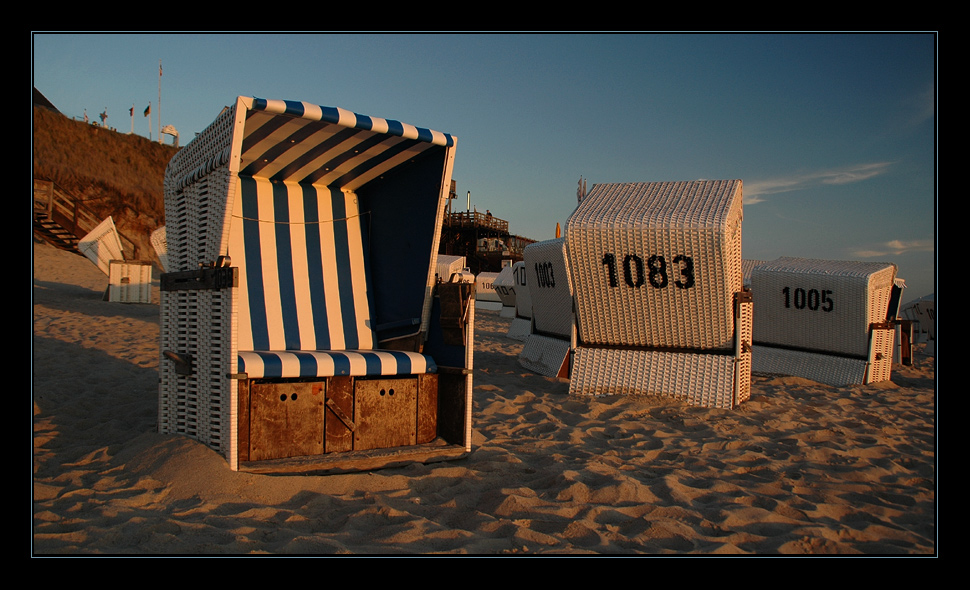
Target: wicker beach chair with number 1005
x=660, y=304
x=824, y=320
x=302, y=326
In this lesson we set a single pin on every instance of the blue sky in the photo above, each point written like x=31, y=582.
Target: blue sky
x=834, y=135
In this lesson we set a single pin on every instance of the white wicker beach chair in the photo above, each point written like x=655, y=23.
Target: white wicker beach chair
x=824, y=320
x=504, y=285
x=102, y=245
x=922, y=315
x=660, y=304
x=160, y=245
x=521, y=325
x=547, y=348
x=486, y=297
x=302, y=327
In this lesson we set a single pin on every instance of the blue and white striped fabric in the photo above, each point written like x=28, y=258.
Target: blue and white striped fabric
x=327, y=146
x=304, y=303
x=329, y=363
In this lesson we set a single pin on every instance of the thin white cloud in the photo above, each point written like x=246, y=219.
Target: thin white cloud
x=754, y=191
x=895, y=248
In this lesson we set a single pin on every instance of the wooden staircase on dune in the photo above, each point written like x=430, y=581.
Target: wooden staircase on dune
x=62, y=220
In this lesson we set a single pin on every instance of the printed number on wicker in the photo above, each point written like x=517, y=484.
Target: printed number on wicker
x=544, y=274
x=635, y=273
x=812, y=299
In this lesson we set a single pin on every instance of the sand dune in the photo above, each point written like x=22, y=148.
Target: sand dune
x=801, y=468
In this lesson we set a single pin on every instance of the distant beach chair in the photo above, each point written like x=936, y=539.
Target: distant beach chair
x=521, y=325
x=746, y=267
x=504, y=285
x=660, y=303
x=547, y=347
x=824, y=320
x=922, y=315
x=160, y=245
x=102, y=245
x=486, y=297
x=302, y=326
x=129, y=281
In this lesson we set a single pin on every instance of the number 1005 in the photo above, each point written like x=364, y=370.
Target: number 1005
x=812, y=299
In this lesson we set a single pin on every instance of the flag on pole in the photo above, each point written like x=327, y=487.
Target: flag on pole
x=148, y=109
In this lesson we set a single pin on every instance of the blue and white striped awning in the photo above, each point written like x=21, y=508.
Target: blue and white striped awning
x=300, y=142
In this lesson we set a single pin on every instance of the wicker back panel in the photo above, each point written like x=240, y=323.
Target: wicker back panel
x=199, y=190
x=657, y=264
x=550, y=287
x=820, y=305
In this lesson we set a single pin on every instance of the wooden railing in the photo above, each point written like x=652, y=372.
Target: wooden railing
x=54, y=206
x=476, y=219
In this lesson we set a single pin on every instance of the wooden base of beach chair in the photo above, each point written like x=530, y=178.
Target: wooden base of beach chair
x=343, y=424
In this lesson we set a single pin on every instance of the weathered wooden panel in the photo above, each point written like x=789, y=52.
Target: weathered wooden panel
x=286, y=420
x=385, y=413
x=339, y=426
x=427, y=408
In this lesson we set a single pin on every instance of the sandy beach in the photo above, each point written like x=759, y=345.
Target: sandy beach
x=800, y=469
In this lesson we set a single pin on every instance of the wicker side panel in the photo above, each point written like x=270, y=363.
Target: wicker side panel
x=658, y=283
x=829, y=369
x=197, y=220
x=743, y=352
x=198, y=325
x=198, y=196
x=550, y=287
x=544, y=355
x=820, y=305
x=519, y=329
x=601, y=371
x=881, y=355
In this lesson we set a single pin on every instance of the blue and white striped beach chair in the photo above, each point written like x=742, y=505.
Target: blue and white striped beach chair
x=303, y=328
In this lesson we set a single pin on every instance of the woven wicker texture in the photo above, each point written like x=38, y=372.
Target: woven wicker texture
x=519, y=329
x=550, y=287
x=160, y=245
x=747, y=266
x=543, y=354
x=820, y=305
x=836, y=371
x=602, y=371
x=657, y=264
